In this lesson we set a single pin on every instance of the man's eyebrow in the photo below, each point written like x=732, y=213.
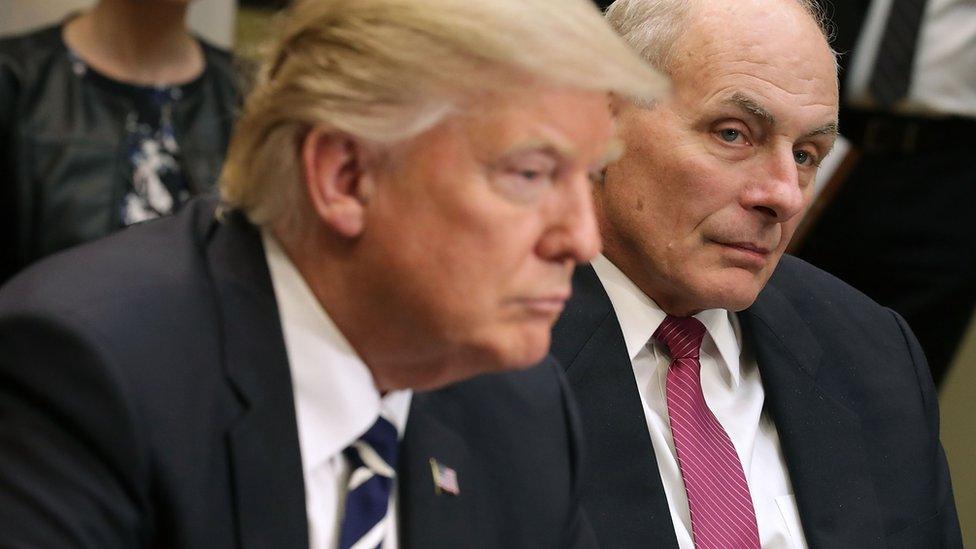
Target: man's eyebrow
x=830, y=128
x=544, y=146
x=752, y=107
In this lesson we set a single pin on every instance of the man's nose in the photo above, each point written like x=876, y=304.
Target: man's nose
x=573, y=232
x=777, y=193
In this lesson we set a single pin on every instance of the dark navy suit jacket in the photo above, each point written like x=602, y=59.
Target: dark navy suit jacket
x=846, y=384
x=146, y=401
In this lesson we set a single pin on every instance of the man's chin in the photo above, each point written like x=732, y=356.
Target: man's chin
x=506, y=353
x=525, y=349
x=734, y=290
x=738, y=299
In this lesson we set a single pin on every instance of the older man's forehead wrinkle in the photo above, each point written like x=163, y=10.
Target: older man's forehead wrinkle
x=782, y=75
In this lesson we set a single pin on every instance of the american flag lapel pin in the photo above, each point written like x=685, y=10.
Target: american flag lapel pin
x=445, y=478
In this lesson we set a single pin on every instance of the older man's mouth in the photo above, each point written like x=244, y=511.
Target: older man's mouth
x=747, y=254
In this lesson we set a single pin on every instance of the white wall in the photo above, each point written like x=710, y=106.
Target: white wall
x=211, y=19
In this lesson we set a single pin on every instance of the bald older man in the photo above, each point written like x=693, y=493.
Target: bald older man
x=732, y=397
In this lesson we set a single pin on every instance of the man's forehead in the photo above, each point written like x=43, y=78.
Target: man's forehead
x=720, y=25
x=727, y=12
x=759, y=62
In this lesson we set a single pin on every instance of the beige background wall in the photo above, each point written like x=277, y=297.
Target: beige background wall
x=211, y=19
x=958, y=400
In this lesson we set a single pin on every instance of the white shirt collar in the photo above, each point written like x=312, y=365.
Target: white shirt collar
x=336, y=399
x=639, y=317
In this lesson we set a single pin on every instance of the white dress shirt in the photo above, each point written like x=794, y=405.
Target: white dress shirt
x=336, y=400
x=944, y=74
x=734, y=392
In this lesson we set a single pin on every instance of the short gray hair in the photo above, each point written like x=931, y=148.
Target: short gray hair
x=652, y=27
x=386, y=70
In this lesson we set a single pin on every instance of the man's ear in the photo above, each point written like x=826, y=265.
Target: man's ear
x=334, y=179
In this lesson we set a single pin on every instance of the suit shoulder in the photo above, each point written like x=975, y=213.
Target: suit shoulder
x=128, y=275
x=805, y=284
x=867, y=348
x=838, y=316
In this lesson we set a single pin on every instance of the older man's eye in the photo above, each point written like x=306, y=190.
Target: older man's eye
x=804, y=158
x=729, y=135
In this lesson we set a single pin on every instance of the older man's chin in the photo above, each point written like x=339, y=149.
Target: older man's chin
x=742, y=293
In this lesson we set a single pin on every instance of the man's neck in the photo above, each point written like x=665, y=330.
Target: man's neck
x=142, y=43
x=382, y=334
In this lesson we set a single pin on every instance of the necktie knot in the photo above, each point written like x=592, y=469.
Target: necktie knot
x=682, y=335
x=376, y=449
x=372, y=459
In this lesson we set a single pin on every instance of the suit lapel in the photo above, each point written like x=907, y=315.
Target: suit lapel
x=820, y=437
x=428, y=519
x=263, y=444
x=622, y=489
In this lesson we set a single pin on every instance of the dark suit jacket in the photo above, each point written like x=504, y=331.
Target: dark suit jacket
x=146, y=401
x=846, y=384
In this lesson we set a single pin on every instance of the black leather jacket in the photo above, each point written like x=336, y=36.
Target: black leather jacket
x=63, y=165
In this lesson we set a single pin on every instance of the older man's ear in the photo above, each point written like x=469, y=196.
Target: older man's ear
x=335, y=180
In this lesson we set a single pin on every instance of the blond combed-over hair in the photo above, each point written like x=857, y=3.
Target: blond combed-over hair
x=386, y=70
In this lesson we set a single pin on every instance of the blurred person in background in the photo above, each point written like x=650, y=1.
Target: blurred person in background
x=405, y=196
x=115, y=116
x=899, y=226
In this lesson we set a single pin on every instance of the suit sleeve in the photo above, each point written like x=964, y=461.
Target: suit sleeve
x=69, y=468
x=579, y=533
x=951, y=535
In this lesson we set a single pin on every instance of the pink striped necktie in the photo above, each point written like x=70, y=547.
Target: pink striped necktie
x=722, y=516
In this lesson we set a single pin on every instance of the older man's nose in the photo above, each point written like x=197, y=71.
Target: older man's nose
x=777, y=193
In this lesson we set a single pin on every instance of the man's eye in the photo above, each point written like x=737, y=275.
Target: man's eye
x=804, y=158
x=524, y=184
x=530, y=174
x=729, y=135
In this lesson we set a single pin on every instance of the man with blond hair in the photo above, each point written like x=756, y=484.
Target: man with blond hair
x=405, y=196
x=732, y=397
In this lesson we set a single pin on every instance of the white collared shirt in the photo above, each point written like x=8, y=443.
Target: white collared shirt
x=734, y=392
x=944, y=74
x=336, y=400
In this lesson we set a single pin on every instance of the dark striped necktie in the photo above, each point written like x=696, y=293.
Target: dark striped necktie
x=893, y=64
x=372, y=461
